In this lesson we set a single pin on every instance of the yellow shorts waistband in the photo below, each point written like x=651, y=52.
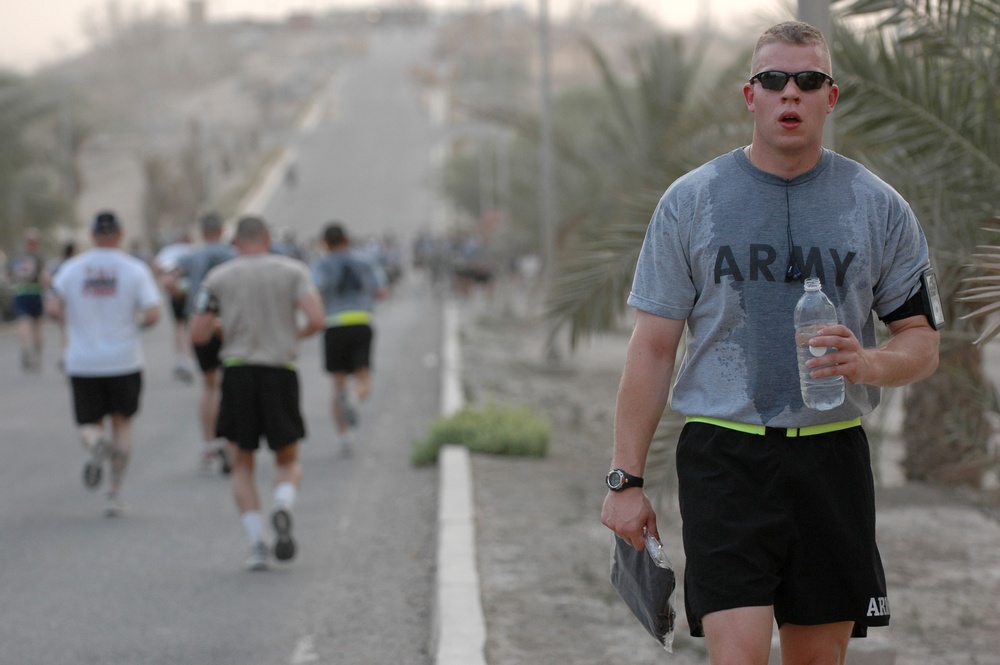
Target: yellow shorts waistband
x=761, y=430
x=354, y=317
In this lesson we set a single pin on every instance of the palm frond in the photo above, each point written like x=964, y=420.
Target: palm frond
x=908, y=111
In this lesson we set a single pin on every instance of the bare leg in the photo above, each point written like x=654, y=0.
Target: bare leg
x=182, y=351
x=244, y=488
x=121, y=450
x=741, y=635
x=339, y=384
x=824, y=644
x=26, y=337
x=36, y=339
x=248, y=504
x=288, y=468
x=208, y=405
x=362, y=383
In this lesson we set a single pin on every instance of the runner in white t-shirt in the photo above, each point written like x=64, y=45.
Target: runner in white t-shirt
x=105, y=297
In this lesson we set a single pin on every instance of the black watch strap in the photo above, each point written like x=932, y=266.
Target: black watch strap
x=619, y=479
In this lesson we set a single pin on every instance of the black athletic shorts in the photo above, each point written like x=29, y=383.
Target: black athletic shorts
x=97, y=396
x=28, y=304
x=208, y=354
x=178, y=306
x=260, y=401
x=348, y=348
x=778, y=521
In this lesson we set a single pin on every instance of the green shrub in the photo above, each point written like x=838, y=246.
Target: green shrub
x=498, y=430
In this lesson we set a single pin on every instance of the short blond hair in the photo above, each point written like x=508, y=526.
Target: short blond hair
x=796, y=33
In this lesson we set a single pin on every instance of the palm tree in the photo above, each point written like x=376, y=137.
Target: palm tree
x=617, y=148
x=922, y=109
x=647, y=138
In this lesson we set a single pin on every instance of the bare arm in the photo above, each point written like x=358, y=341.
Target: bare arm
x=202, y=325
x=54, y=306
x=910, y=354
x=642, y=397
x=170, y=281
x=312, y=307
x=149, y=317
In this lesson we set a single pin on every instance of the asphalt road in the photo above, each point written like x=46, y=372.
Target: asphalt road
x=165, y=583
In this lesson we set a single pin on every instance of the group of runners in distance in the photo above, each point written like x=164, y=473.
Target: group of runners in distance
x=239, y=310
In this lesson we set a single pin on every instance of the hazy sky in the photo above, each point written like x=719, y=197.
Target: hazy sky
x=33, y=32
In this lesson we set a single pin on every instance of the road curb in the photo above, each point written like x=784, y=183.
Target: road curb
x=459, y=633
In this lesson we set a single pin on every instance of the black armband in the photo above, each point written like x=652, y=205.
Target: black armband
x=926, y=301
x=205, y=301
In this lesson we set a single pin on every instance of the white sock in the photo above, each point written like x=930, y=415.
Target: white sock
x=90, y=435
x=284, y=495
x=253, y=525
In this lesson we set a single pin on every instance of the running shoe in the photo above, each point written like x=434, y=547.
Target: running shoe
x=93, y=470
x=113, y=505
x=258, y=557
x=206, y=458
x=345, y=446
x=347, y=410
x=225, y=468
x=30, y=361
x=284, y=545
x=182, y=373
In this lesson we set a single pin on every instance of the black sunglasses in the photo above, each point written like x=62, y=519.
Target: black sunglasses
x=777, y=80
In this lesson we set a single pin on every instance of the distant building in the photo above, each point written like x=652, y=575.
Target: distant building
x=197, y=12
x=301, y=21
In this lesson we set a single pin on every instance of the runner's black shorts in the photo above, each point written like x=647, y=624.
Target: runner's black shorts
x=780, y=521
x=348, y=348
x=208, y=354
x=28, y=304
x=178, y=306
x=260, y=401
x=97, y=396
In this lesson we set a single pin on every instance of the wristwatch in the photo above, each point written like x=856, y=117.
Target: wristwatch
x=618, y=480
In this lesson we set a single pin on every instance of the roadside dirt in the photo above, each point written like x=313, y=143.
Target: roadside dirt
x=544, y=555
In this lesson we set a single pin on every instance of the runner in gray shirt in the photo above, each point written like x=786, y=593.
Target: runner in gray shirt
x=255, y=301
x=191, y=269
x=349, y=283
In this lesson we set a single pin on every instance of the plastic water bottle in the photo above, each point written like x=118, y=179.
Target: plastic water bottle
x=814, y=312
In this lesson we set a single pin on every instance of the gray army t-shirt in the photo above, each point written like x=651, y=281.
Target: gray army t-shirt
x=715, y=254
x=258, y=298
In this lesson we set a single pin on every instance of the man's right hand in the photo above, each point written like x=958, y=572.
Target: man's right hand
x=628, y=513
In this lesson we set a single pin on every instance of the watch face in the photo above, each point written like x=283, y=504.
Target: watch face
x=615, y=480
